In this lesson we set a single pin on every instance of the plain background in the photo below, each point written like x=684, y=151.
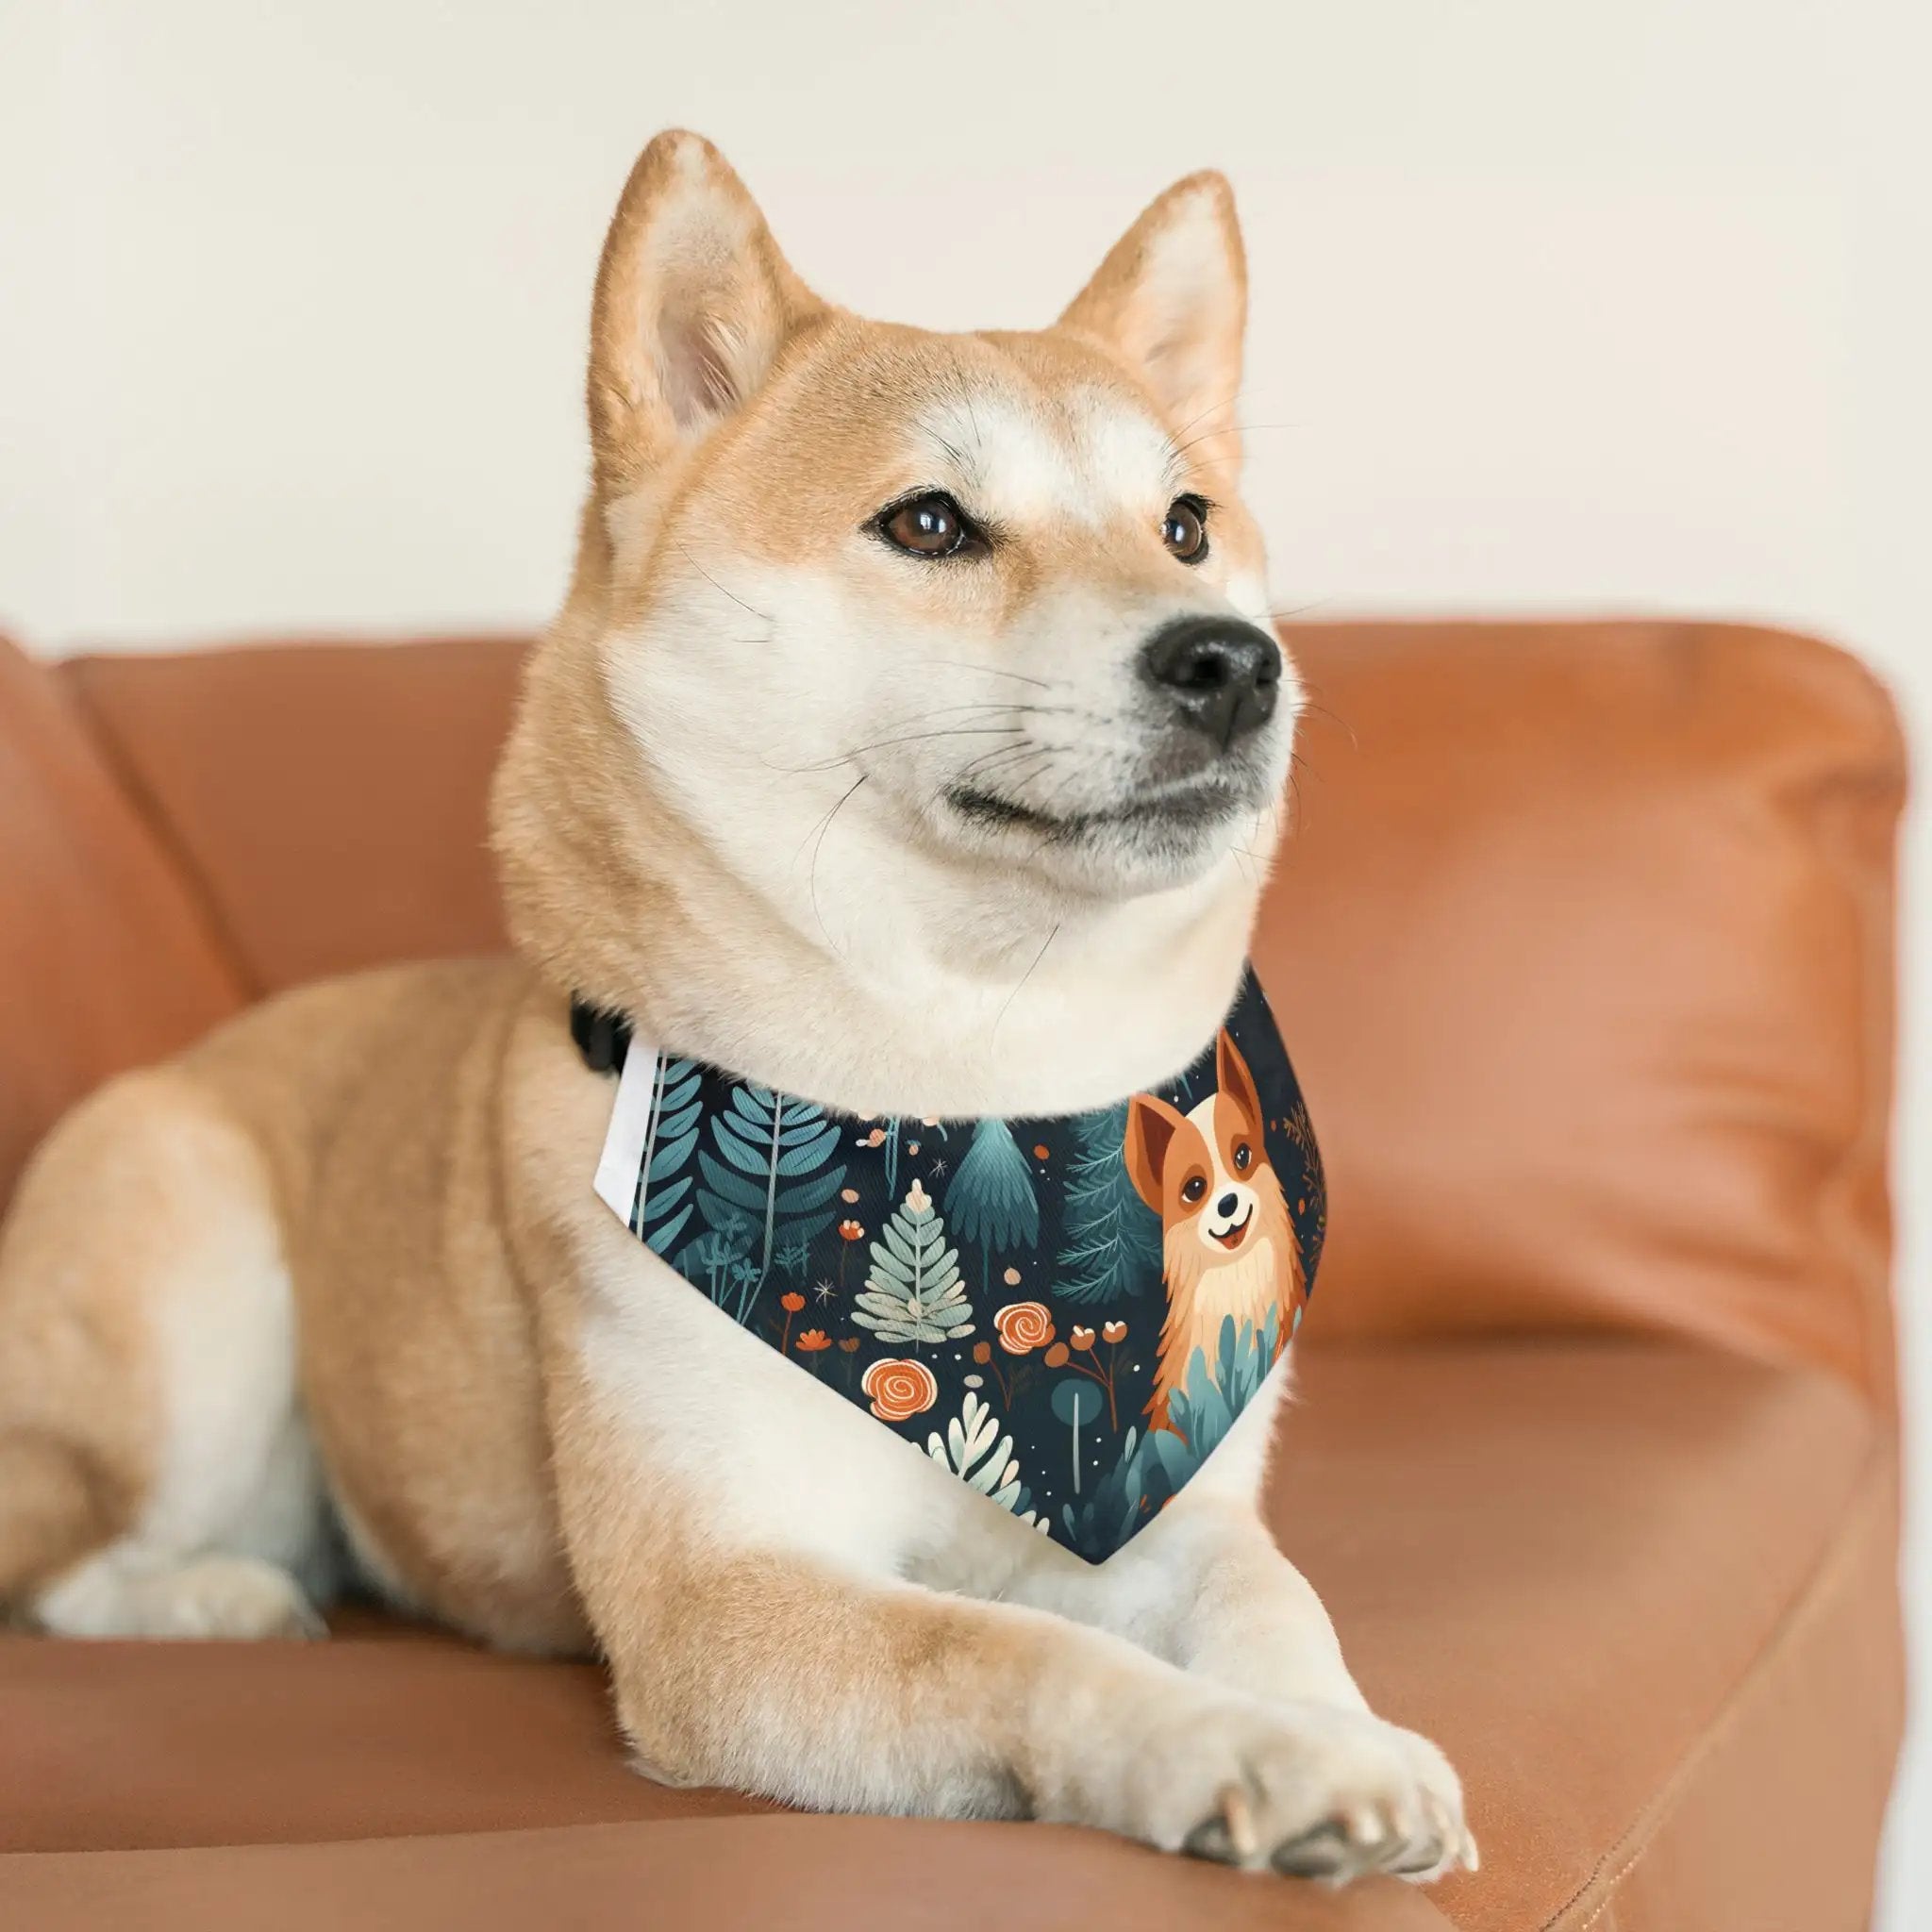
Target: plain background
x=1557, y=307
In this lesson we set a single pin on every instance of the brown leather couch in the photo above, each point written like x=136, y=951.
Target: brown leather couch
x=1584, y=948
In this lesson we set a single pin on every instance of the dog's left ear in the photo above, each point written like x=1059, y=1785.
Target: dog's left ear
x=1151, y=1127
x=1232, y=1078
x=1171, y=301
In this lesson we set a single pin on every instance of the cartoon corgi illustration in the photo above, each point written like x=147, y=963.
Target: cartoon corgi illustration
x=1227, y=1245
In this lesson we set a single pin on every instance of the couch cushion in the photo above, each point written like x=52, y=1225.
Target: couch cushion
x=783, y=1874
x=1641, y=1592
x=1583, y=945
x=105, y=956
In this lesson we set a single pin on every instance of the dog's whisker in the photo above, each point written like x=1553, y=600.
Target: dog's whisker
x=976, y=767
x=1016, y=776
x=1231, y=429
x=1023, y=978
x=811, y=881
x=1212, y=410
x=992, y=706
x=990, y=671
x=953, y=779
x=1177, y=468
x=764, y=617
x=1311, y=707
x=1294, y=793
x=986, y=759
x=978, y=758
x=816, y=828
x=1079, y=768
x=846, y=758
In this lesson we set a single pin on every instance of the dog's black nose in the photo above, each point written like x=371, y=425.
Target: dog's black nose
x=1225, y=1206
x=1222, y=674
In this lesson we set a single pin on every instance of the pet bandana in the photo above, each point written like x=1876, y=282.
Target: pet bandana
x=1066, y=1313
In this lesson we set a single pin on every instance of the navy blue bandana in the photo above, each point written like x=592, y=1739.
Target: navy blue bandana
x=1066, y=1313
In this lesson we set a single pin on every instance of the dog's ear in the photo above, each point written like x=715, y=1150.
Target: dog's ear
x=1232, y=1078
x=694, y=305
x=1151, y=1127
x=1171, y=301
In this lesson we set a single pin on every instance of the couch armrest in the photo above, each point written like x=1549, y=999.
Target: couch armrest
x=106, y=958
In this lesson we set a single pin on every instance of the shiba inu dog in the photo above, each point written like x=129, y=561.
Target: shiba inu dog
x=1228, y=1245
x=900, y=742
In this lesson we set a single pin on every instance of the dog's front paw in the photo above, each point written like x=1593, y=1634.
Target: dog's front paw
x=1306, y=1789
x=1442, y=1796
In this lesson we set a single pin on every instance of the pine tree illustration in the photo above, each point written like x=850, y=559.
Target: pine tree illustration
x=774, y=1163
x=991, y=1199
x=1113, y=1238
x=913, y=1292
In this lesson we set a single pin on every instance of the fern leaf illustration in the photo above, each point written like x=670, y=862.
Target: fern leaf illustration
x=976, y=1452
x=913, y=1292
x=662, y=1205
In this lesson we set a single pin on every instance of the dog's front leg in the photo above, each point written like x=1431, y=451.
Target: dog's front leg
x=745, y=1548
x=1204, y=1586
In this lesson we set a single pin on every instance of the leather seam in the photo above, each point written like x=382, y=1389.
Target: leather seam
x=1638, y=1837
x=161, y=828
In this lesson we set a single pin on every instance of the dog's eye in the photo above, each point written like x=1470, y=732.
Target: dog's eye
x=930, y=526
x=1243, y=1154
x=1185, y=532
x=1194, y=1187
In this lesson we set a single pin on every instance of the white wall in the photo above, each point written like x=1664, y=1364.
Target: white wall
x=1557, y=304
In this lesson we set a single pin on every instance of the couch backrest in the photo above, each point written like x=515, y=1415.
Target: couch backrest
x=330, y=797
x=1582, y=944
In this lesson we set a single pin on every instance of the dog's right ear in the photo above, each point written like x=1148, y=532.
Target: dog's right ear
x=1151, y=1127
x=1171, y=301
x=694, y=305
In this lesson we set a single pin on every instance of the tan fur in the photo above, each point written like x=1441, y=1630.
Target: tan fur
x=349, y=1243
x=79, y=1384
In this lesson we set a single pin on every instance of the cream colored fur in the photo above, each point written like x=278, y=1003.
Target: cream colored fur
x=342, y=1261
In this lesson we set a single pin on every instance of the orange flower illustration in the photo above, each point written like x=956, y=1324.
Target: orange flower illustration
x=1056, y=1355
x=1022, y=1326
x=1081, y=1338
x=899, y=1388
x=1115, y=1331
x=1040, y=1150
x=813, y=1340
x=982, y=1352
x=791, y=1300
x=850, y=1345
x=851, y=1231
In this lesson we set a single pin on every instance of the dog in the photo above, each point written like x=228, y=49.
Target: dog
x=1228, y=1244
x=901, y=742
